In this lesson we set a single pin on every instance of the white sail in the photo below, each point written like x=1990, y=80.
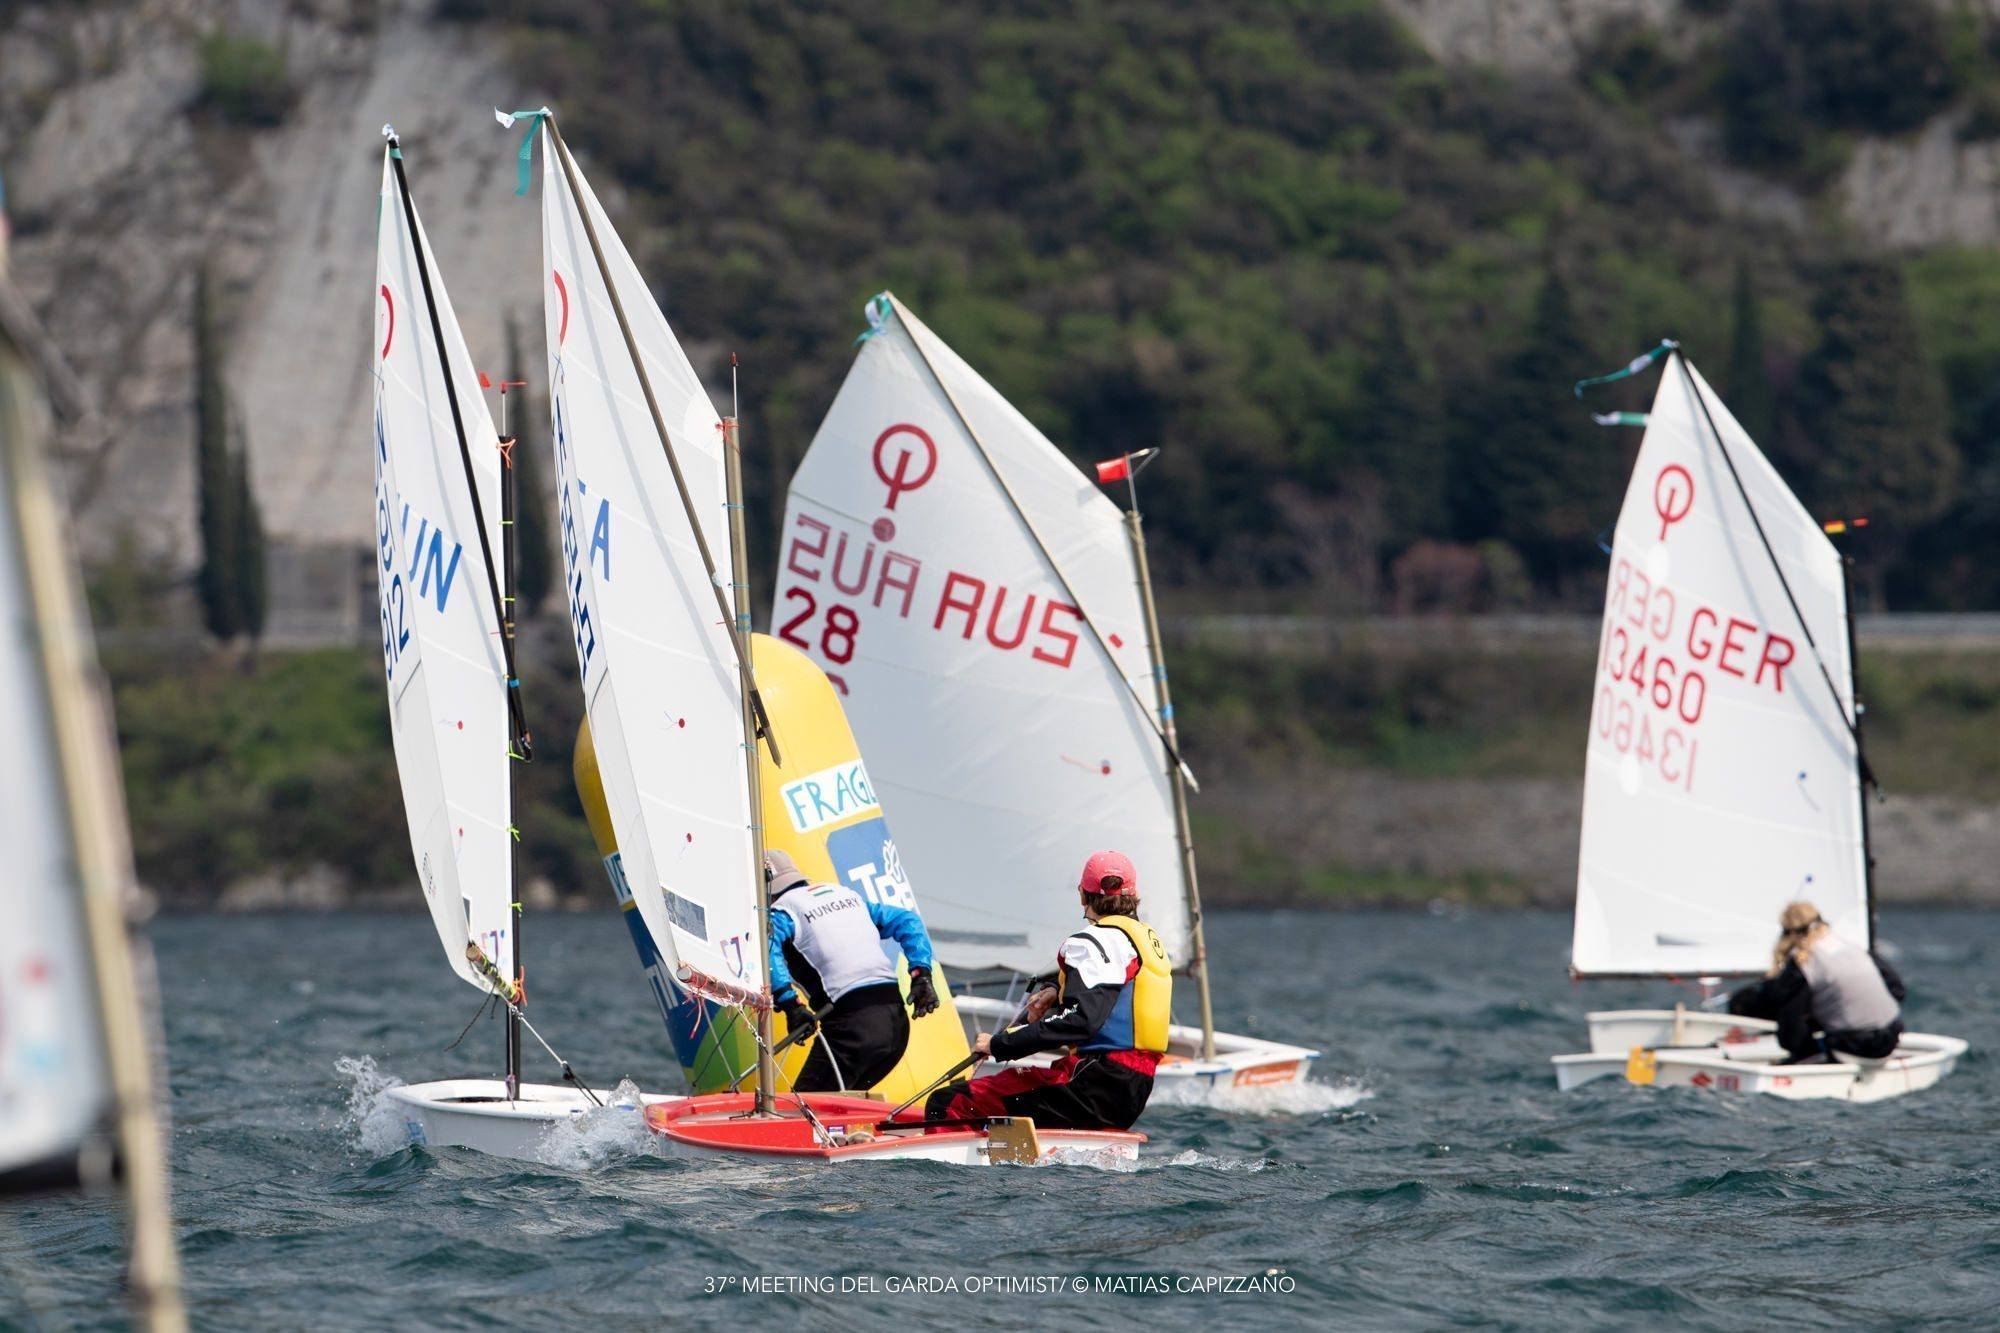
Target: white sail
x=1722, y=776
x=1008, y=743
x=441, y=646
x=55, y=1088
x=658, y=672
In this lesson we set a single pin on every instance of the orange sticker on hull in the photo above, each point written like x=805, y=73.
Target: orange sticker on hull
x=1260, y=1075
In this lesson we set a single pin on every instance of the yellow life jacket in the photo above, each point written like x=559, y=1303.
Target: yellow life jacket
x=1141, y=1019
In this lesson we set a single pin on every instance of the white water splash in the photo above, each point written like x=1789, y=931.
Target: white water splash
x=1189, y=1157
x=1308, y=1098
x=1102, y=1159
x=374, y=1122
x=602, y=1134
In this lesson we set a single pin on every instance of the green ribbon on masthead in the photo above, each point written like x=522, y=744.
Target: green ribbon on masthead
x=507, y=120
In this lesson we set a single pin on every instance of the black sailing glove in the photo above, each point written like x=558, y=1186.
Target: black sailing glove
x=798, y=1018
x=923, y=995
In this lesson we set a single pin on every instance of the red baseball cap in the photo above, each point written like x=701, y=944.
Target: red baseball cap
x=1108, y=872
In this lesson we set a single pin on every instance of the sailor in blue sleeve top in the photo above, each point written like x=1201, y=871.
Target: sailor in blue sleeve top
x=826, y=941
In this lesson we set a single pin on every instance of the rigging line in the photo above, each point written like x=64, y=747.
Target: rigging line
x=821, y=1135
x=794, y=1038
x=1839, y=707
x=477, y=1014
x=1145, y=709
x=736, y=638
x=516, y=714
x=569, y=1071
x=716, y=1048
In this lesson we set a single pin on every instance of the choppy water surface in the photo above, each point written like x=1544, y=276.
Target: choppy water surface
x=1431, y=1175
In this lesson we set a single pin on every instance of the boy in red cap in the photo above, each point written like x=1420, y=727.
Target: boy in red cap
x=1108, y=1012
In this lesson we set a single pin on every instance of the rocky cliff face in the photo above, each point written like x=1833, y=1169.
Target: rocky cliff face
x=121, y=187
x=1523, y=36
x=1926, y=188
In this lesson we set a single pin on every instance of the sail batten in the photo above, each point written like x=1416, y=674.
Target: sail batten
x=1722, y=777
x=951, y=570
x=654, y=652
x=442, y=651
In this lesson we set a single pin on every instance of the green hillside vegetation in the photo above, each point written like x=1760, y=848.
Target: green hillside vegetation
x=1346, y=288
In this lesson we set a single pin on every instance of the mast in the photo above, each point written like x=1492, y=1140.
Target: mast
x=509, y=548
x=1861, y=764
x=1183, y=832
x=732, y=449
x=521, y=746
x=92, y=805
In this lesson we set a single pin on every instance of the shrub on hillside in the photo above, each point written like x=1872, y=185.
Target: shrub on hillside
x=1794, y=70
x=244, y=79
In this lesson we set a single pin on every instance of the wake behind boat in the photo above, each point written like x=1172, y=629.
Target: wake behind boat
x=1725, y=775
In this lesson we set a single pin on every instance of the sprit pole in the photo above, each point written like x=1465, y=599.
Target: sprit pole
x=739, y=560
x=1176, y=771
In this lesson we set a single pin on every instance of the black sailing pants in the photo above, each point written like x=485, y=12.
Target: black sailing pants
x=866, y=1034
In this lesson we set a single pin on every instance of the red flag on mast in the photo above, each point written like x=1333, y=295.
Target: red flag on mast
x=1116, y=469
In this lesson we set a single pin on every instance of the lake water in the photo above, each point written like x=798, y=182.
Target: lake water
x=1431, y=1175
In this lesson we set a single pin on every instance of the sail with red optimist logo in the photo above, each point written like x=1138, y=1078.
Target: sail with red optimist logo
x=1723, y=773
x=659, y=676
x=1008, y=741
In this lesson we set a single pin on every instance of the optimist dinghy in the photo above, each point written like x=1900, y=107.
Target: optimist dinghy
x=988, y=615
x=444, y=501
x=682, y=736
x=1725, y=775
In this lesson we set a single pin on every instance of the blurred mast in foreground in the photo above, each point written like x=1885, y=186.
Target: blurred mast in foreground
x=76, y=1055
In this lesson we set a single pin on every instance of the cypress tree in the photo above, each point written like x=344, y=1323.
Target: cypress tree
x=221, y=602
x=252, y=586
x=1396, y=431
x=1872, y=407
x=535, y=563
x=1751, y=399
x=1534, y=472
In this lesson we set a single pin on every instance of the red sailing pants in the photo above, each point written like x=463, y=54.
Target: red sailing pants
x=1087, y=1092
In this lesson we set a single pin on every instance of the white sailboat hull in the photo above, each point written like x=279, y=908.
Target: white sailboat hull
x=1752, y=1062
x=1240, y=1062
x=1616, y=1031
x=475, y=1113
